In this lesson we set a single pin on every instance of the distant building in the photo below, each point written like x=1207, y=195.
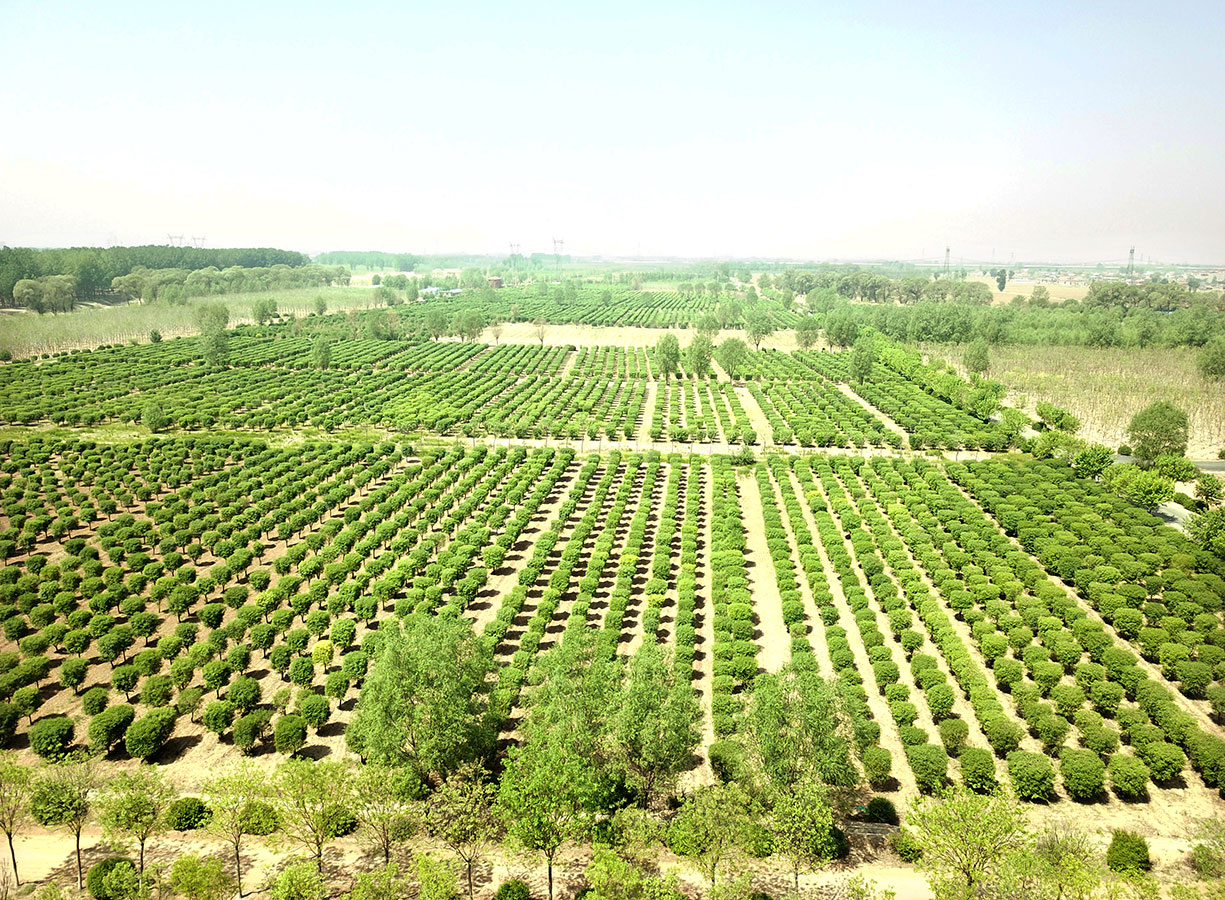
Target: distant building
x=495, y=281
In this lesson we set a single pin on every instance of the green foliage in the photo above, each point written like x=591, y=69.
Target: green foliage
x=1032, y=775
x=1127, y=853
x=187, y=814
x=930, y=764
x=514, y=889
x=96, y=882
x=51, y=737
x=289, y=735
x=1158, y=429
x=881, y=809
x=1083, y=774
x=298, y=881
x=200, y=879
x=978, y=770
x=1128, y=776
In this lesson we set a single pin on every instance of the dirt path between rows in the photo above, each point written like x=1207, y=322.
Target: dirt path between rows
x=774, y=640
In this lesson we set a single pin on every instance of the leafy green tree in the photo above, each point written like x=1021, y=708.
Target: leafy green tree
x=212, y=319
x=61, y=799
x=795, y=730
x=385, y=802
x=712, y=828
x=16, y=785
x=967, y=839
x=758, y=326
x=461, y=815
x=708, y=325
x=321, y=353
x=1056, y=419
x=863, y=355
x=1211, y=359
x=421, y=704
x=132, y=807
x=1092, y=460
x=1158, y=429
x=803, y=828
x=668, y=352
x=152, y=417
x=699, y=354
x=231, y=795
x=807, y=332
x=1208, y=488
x=200, y=879
x=289, y=734
x=655, y=727
x=731, y=355
x=305, y=794
x=1208, y=529
x=977, y=358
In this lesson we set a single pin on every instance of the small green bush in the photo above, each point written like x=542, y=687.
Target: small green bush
x=1127, y=853
x=877, y=764
x=881, y=809
x=1032, y=775
x=187, y=814
x=51, y=737
x=513, y=890
x=96, y=877
x=726, y=760
x=953, y=735
x=978, y=770
x=1128, y=776
x=930, y=765
x=905, y=846
x=1084, y=774
x=260, y=819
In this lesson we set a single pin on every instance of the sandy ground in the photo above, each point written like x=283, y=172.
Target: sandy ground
x=774, y=641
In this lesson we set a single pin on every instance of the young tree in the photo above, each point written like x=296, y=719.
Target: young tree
x=200, y=879
x=966, y=839
x=758, y=326
x=977, y=357
x=699, y=354
x=668, y=351
x=542, y=797
x=460, y=814
x=321, y=353
x=1158, y=429
x=61, y=799
x=863, y=355
x=731, y=355
x=231, y=795
x=306, y=795
x=803, y=828
x=420, y=705
x=708, y=325
x=133, y=806
x=539, y=328
x=711, y=827
x=654, y=728
x=795, y=730
x=15, y=787
x=385, y=804
x=807, y=332
x=1212, y=359
x=436, y=322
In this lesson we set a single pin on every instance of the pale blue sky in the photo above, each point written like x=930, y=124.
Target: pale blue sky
x=871, y=129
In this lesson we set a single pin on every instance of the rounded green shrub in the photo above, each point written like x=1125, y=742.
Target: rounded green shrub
x=1084, y=774
x=96, y=877
x=881, y=809
x=1032, y=775
x=1128, y=776
x=51, y=737
x=187, y=814
x=513, y=890
x=930, y=765
x=978, y=770
x=1127, y=853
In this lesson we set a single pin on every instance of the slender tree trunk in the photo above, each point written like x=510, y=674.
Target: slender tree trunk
x=142, y=857
x=550, y=866
x=237, y=869
x=13, y=854
x=80, y=883
x=470, y=880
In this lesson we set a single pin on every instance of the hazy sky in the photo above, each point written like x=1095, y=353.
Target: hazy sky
x=1053, y=130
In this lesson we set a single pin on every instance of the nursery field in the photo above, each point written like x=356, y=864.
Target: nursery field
x=683, y=579
x=986, y=622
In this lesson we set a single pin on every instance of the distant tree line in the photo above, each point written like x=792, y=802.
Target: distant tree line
x=371, y=259
x=93, y=269
x=1166, y=318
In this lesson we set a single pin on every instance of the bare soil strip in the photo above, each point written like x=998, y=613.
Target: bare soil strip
x=773, y=639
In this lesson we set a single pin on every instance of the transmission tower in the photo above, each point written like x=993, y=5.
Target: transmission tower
x=559, y=244
x=946, y=262
x=1131, y=264
x=175, y=240
x=198, y=242
x=514, y=254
